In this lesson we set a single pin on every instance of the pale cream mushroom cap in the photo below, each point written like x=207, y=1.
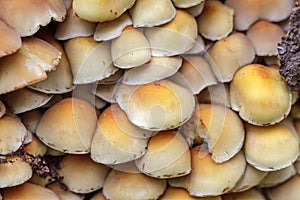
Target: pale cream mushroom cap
x=73, y=27
x=187, y=3
x=196, y=10
x=24, y=100
x=12, y=134
x=112, y=29
x=227, y=55
x=251, y=194
x=148, y=13
x=68, y=126
x=174, y=37
x=266, y=147
x=31, y=119
x=101, y=10
x=86, y=64
x=260, y=95
x=218, y=14
x=27, y=17
x=14, y=172
x=130, y=49
x=134, y=186
x=64, y=194
x=208, y=178
x=81, y=174
x=288, y=190
x=158, y=105
x=173, y=193
x=157, y=68
x=167, y=156
x=10, y=40
x=116, y=139
x=265, y=36
x=28, y=191
x=248, y=11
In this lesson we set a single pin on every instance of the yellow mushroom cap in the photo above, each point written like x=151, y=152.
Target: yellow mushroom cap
x=10, y=40
x=68, y=126
x=266, y=147
x=101, y=10
x=260, y=95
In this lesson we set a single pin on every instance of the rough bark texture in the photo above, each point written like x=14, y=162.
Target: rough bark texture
x=289, y=51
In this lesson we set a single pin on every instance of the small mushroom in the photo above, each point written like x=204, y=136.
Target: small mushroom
x=76, y=168
x=156, y=106
x=171, y=154
x=250, y=194
x=187, y=3
x=196, y=10
x=68, y=126
x=35, y=147
x=64, y=194
x=173, y=193
x=266, y=147
x=216, y=20
x=148, y=13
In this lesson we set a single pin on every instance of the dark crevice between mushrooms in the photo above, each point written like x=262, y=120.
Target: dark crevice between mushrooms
x=289, y=51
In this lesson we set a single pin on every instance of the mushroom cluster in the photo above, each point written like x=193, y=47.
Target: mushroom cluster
x=144, y=99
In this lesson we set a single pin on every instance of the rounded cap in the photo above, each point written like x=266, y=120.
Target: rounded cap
x=266, y=147
x=10, y=40
x=167, y=156
x=158, y=105
x=186, y=3
x=27, y=17
x=196, y=10
x=116, y=140
x=260, y=95
x=68, y=126
x=35, y=147
x=76, y=168
x=173, y=193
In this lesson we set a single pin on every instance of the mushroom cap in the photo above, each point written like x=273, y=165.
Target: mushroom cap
x=134, y=186
x=116, y=140
x=250, y=194
x=14, y=172
x=208, y=178
x=86, y=64
x=31, y=119
x=248, y=11
x=265, y=147
x=28, y=191
x=73, y=26
x=100, y=10
x=106, y=92
x=265, y=36
x=64, y=194
x=159, y=105
x=256, y=88
x=68, y=126
x=227, y=55
x=157, y=68
x=35, y=147
x=27, y=17
x=173, y=193
x=171, y=154
x=130, y=49
x=112, y=29
x=12, y=134
x=215, y=94
x=148, y=13
x=288, y=190
x=218, y=14
x=196, y=10
x=10, y=40
x=174, y=37
x=186, y=3
x=75, y=168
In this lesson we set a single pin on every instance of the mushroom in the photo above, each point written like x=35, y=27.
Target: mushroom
x=130, y=49
x=12, y=134
x=28, y=191
x=148, y=13
x=156, y=106
x=215, y=21
x=262, y=86
x=76, y=168
x=187, y=3
x=227, y=55
x=10, y=40
x=27, y=17
x=64, y=194
x=208, y=178
x=171, y=154
x=174, y=37
x=31, y=119
x=86, y=64
x=196, y=10
x=68, y=126
x=250, y=194
x=106, y=92
x=173, y=193
x=134, y=186
x=100, y=11
x=35, y=147
x=265, y=147
x=215, y=94
x=98, y=196
x=265, y=36
x=116, y=140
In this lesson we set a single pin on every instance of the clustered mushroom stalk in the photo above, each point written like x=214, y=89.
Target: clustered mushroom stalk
x=143, y=99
